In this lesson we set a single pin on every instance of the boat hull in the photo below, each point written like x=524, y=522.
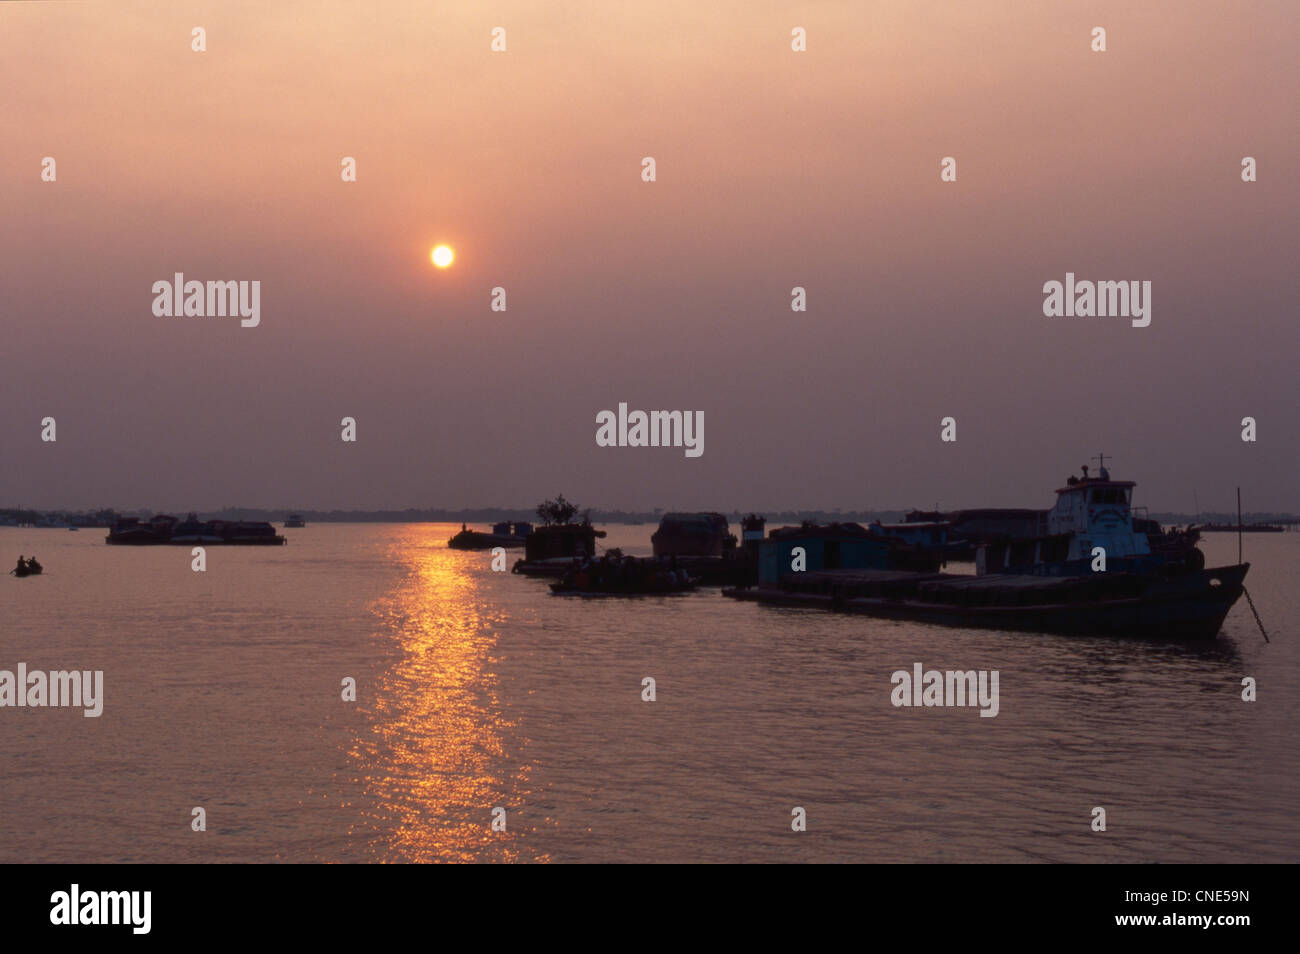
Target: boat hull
x=184, y=541
x=654, y=589
x=1192, y=606
x=473, y=540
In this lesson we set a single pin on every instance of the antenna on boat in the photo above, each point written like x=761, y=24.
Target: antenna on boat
x=1101, y=466
x=1238, y=526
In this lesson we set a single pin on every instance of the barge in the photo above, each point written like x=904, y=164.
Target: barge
x=164, y=530
x=703, y=545
x=551, y=549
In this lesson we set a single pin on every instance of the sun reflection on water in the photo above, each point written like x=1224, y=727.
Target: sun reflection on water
x=437, y=757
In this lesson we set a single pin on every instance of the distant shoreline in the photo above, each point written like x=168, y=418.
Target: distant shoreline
x=489, y=515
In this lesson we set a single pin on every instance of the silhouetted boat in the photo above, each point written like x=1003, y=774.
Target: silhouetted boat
x=692, y=534
x=1043, y=583
x=294, y=522
x=551, y=549
x=1245, y=528
x=703, y=545
x=164, y=529
x=503, y=535
x=624, y=577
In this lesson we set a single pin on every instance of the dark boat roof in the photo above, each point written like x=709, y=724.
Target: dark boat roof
x=821, y=530
x=561, y=529
x=708, y=520
x=1086, y=483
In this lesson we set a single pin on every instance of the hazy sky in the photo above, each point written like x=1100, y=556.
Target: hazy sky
x=775, y=168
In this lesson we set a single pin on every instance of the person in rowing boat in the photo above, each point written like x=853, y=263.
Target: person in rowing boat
x=22, y=565
x=32, y=565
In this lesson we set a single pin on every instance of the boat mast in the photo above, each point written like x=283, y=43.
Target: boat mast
x=1239, y=526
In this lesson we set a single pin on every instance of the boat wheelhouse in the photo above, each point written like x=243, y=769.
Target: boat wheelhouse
x=1090, y=513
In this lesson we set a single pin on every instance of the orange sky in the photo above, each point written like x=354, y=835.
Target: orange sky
x=775, y=169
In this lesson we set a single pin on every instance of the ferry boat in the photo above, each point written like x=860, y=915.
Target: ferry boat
x=294, y=521
x=1044, y=582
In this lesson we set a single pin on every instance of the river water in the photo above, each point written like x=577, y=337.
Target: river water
x=479, y=690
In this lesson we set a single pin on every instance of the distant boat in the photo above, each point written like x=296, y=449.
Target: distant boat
x=74, y=528
x=693, y=534
x=1245, y=528
x=503, y=535
x=28, y=569
x=165, y=529
x=704, y=546
x=295, y=521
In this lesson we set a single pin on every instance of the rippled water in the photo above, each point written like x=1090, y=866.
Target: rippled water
x=480, y=690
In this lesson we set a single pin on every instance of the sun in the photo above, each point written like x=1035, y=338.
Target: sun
x=442, y=256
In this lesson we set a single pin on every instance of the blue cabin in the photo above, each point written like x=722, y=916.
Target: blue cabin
x=838, y=546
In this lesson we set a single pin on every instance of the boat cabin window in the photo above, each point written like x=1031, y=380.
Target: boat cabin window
x=1110, y=495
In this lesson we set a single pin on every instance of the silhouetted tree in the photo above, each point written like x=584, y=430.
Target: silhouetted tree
x=555, y=511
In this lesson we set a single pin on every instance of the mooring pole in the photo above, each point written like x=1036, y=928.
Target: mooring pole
x=1256, y=612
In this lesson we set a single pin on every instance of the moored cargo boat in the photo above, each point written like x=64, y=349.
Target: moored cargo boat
x=1090, y=570
x=551, y=549
x=693, y=534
